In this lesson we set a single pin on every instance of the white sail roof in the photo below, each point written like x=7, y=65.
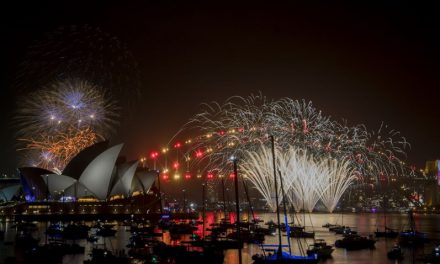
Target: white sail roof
x=98, y=173
x=123, y=185
x=8, y=192
x=57, y=183
x=145, y=180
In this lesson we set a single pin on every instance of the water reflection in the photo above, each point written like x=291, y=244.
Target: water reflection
x=364, y=224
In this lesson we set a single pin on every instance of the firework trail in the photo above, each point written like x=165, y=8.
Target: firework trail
x=336, y=178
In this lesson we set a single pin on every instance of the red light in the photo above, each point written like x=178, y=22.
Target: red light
x=199, y=154
x=187, y=175
x=176, y=165
x=241, y=129
x=154, y=154
x=210, y=175
x=221, y=132
x=177, y=145
x=165, y=177
x=232, y=175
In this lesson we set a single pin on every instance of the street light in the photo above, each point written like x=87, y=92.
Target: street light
x=154, y=156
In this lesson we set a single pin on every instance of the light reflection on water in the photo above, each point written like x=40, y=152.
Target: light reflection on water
x=363, y=223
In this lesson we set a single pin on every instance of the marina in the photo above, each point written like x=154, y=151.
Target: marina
x=365, y=224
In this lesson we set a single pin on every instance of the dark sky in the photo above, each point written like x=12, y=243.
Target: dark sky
x=366, y=63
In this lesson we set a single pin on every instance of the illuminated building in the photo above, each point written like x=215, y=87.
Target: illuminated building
x=92, y=173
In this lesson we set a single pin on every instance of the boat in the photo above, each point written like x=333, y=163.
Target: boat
x=217, y=242
x=247, y=236
x=182, y=228
x=300, y=233
x=335, y=228
x=411, y=237
x=388, y=232
x=75, y=232
x=264, y=231
x=103, y=256
x=355, y=242
x=105, y=232
x=54, y=231
x=321, y=249
x=328, y=225
x=92, y=239
x=184, y=254
x=283, y=258
x=345, y=231
x=395, y=253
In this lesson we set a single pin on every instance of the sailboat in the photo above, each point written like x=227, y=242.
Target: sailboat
x=412, y=237
x=387, y=232
x=278, y=255
x=298, y=231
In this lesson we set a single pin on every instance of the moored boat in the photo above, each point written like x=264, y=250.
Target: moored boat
x=388, y=232
x=321, y=249
x=284, y=258
x=395, y=253
x=355, y=242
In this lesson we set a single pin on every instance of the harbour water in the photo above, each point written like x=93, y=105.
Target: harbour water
x=363, y=223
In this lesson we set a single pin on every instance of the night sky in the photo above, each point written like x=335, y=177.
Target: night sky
x=366, y=63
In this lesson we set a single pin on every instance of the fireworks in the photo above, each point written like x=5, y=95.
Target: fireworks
x=64, y=105
x=306, y=179
x=57, y=122
x=240, y=124
x=335, y=178
x=331, y=152
x=54, y=152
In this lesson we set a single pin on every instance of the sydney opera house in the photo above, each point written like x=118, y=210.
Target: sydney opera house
x=96, y=181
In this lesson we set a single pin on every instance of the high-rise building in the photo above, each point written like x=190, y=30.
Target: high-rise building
x=432, y=170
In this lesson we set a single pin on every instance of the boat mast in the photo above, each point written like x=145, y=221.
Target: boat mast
x=224, y=200
x=249, y=201
x=204, y=209
x=237, y=208
x=279, y=252
x=285, y=213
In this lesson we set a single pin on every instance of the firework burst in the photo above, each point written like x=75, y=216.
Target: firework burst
x=331, y=152
x=64, y=105
x=55, y=123
x=55, y=151
x=306, y=179
x=240, y=124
